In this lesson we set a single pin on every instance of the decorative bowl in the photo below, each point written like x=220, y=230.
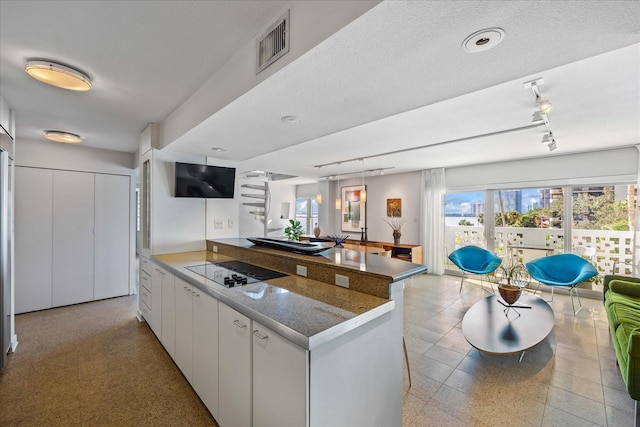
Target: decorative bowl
x=338, y=239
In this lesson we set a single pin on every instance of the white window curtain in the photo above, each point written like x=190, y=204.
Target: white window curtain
x=432, y=223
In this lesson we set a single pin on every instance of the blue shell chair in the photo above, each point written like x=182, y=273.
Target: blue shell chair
x=567, y=270
x=475, y=260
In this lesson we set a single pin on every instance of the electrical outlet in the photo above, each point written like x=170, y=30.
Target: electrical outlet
x=215, y=249
x=217, y=223
x=301, y=270
x=342, y=280
x=230, y=223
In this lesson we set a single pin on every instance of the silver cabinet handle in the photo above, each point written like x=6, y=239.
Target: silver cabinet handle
x=257, y=334
x=195, y=294
x=186, y=288
x=238, y=324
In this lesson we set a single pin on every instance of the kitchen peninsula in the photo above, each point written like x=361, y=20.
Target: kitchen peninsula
x=291, y=350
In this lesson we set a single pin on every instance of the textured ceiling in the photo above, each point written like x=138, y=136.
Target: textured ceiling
x=393, y=79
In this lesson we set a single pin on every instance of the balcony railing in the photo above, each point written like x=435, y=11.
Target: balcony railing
x=613, y=249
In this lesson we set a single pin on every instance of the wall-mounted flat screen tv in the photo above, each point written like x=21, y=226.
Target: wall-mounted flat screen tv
x=212, y=182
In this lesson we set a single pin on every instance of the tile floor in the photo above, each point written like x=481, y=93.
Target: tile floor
x=94, y=364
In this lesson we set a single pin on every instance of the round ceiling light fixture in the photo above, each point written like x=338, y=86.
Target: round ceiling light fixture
x=58, y=75
x=218, y=149
x=483, y=40
x=61, y=136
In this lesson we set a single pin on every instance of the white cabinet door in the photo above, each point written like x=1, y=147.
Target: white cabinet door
x=112, y=261
x=184, y=328
x=168, y=327
x=280, y=372
x=157, y=277
x=73, y=240
x=33, y=234
x=205, y=349
x=235, y=368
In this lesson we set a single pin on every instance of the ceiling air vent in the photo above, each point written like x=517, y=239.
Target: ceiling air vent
x=274, y=43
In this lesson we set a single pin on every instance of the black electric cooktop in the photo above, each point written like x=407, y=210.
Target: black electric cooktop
x=234, y=273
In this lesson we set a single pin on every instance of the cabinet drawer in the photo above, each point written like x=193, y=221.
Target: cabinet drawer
x=145, y=282
x=145, y=311
x=145, y=265
x=145, y=296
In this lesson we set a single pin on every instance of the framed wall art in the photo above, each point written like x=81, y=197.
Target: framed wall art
x=354, y=210
x=394, y=207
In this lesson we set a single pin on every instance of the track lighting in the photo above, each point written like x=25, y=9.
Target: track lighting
x=544, y=106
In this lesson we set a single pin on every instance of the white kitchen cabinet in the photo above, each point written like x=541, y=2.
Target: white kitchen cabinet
x=34, y=239
x=73, y=239
x=157, y=277
x=205, y=349
x=280, y=373
x=168, y=328
x=112, y=198
x=235, y=368
x=184, y=328
x=74, y=227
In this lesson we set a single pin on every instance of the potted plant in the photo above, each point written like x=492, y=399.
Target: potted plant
x=512, y=278
x=294, y=230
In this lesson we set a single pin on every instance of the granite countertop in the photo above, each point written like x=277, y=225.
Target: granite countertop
x=307, y=312
x=361, y=261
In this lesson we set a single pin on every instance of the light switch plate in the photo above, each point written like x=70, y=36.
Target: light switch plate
x=342, y=280
x=217, y=223
x=230, y=223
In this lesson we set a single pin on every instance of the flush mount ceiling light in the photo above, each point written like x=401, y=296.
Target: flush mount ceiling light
x=483, y=40
x=60, y=136
x=58, y=75
x=218, y=149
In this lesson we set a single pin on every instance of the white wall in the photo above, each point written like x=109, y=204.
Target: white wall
x=54, y=155
x=225, y=210
x=177, y=223
x=404, y=186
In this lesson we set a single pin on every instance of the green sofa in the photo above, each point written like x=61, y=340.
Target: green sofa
x=622, y=304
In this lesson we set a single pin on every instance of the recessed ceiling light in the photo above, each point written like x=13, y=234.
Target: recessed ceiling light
x=60, y=136
x=59, y=75
x=289, y=119
x=483, y=40
x=217, y=149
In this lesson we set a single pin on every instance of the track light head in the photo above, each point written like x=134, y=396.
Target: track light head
x=552, y=145
x=547, y=137
x=545, y=105
x=537, y=117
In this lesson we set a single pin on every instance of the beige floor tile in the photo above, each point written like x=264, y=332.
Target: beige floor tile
x=577, y=405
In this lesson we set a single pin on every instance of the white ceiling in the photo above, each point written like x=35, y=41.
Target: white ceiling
x=394, y=79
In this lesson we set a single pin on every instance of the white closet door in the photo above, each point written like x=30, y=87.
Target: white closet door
x=73, y=219
x=33, y=234
x=111, y=236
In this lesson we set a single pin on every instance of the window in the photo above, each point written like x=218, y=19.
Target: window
x=603, y=224
x=307, y=214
